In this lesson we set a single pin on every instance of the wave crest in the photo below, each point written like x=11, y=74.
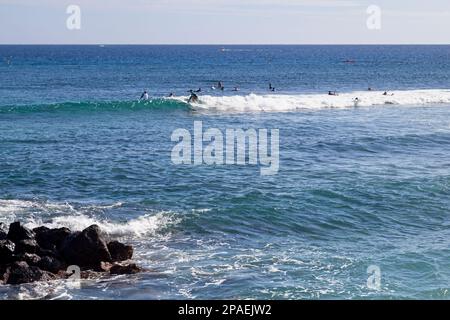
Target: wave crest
x=79, y=217
x=141, y=226
x=283, y=102
x=250, y=103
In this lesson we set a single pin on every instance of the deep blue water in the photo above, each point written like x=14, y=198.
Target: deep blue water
x=38, y=74
x=356, y=186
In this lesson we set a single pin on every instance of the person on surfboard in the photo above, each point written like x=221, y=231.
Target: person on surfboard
x=193, y=98
x=144, y=95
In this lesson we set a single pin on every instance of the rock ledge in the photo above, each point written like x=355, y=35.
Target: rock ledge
x=44, y=254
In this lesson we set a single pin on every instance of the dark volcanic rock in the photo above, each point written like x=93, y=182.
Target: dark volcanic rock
x=3, y=268
x=125, y=269
x=86, y=248
x=43, y=254
x=51, y=264
x=27, y=246
x=3, y=231
x=18, y=232
x=20, y=272
x=120, y=251
x=6, y=251
x=30, y=258
x=41, y=229
x=48, y=252
x=51, y=238
x=103, y=267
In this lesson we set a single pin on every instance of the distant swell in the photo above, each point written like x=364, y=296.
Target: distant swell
x=79, y=107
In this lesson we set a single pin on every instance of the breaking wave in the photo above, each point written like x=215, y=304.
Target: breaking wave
x=55, y=215
x=282, y=102
x=251, y=102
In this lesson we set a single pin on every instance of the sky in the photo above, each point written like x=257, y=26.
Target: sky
x=226, y=22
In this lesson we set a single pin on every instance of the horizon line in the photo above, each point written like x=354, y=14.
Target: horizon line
x=224, y=44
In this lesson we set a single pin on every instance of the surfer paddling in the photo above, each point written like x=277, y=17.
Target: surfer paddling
x=219, y=86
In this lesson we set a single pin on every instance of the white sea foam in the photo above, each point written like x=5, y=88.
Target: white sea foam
x=21, y=206
x=13, y=206
x=55, y=215
x=284, y=102
x=143, y=225
x=11, y=210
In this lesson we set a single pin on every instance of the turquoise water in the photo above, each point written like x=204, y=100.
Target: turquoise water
x=356, y=186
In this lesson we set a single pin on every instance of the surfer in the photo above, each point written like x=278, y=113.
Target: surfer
x=193, y=98
x=144, y=95
x=271, y=88
x=171, y=95
x=236, y=89
x=218, y=86
x=332, y=93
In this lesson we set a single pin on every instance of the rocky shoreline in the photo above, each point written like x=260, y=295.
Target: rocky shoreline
x=44, y=254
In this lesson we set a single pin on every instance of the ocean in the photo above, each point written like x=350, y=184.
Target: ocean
x=361, y=186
